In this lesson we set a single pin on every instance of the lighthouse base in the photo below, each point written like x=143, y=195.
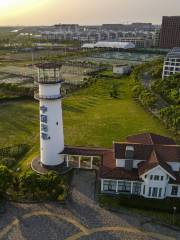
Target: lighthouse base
x=39, y=168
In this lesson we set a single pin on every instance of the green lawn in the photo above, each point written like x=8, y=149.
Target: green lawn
x=91, y=118
x=18, y=123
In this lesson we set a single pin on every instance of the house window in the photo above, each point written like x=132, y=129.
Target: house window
x=162, y=178
x=155, y=192
x=149, y=193
x=144, y=190
x=160, y=192
x=136, y=188
x=151, y=177
x=124, y=186
x=156, y=177
x=109, y=185
x=174, y=190
x=145, y=176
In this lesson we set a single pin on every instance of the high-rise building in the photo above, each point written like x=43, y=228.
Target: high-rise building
x=172, y=63
x=170, y=32
x=156, y=38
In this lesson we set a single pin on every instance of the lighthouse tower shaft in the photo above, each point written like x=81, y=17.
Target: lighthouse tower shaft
x=51, y=123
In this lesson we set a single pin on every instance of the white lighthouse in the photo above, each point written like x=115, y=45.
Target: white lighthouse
x=51, y=123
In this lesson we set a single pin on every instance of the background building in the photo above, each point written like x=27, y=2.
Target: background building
x=172, y=63
x=156, y=38
x=141, y=34
x=170, y=32
x=121, y=69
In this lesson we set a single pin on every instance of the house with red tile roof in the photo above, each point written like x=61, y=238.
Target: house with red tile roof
x=146, y=164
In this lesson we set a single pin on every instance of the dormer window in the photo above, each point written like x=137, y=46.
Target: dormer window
x=129, y=154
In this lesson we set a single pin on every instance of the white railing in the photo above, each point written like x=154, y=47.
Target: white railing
x=49, y=97
x=49, y=80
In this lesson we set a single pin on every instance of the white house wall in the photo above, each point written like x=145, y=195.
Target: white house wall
x=175, y=166
x=161, y=184
x=169, y=189
x=155, y=183
x=121, y=163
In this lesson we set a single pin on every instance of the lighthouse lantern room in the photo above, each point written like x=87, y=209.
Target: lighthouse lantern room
x=51, y=123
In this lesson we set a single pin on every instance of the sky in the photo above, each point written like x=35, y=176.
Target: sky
x=49, y=12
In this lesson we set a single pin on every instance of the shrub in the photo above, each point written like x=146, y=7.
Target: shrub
x=6, y=179
x=38, y=187
x=130, y=201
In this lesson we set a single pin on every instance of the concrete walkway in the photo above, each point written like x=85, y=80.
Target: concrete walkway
x=81, y=219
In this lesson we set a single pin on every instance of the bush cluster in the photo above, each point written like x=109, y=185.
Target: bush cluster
x=10, y=155
x=168, y=88
x=146, y=97
x=31, y=186
x=15, y=90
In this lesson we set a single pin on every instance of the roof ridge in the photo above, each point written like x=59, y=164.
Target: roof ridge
x=88, y=148
x=150, y=137
x=155, y=153
x=167, y=145
x=133, y=143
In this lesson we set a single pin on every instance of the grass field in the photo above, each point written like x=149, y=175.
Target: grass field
x=91, y=118
x=18, y=123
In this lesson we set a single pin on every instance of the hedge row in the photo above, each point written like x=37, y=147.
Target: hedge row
x=131, y=201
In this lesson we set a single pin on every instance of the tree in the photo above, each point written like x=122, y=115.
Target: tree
x=39, y=187
x=6, y=179
x=171, y=116
x=55, y=185
x=136, y=90
x=115, y=91
x=147, y=98
x=28, y=182
x=168, y=88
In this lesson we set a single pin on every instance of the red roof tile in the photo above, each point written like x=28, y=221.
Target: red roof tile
x=151, y=139
x=168, y=153
x=141, y=152
x=84, y=151
x=152, y=162
x=154, y=150
x=110, y=171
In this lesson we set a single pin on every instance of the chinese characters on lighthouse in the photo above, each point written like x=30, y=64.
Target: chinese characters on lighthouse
x=44, y=123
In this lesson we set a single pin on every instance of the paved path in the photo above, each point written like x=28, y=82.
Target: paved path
x=81, y=219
